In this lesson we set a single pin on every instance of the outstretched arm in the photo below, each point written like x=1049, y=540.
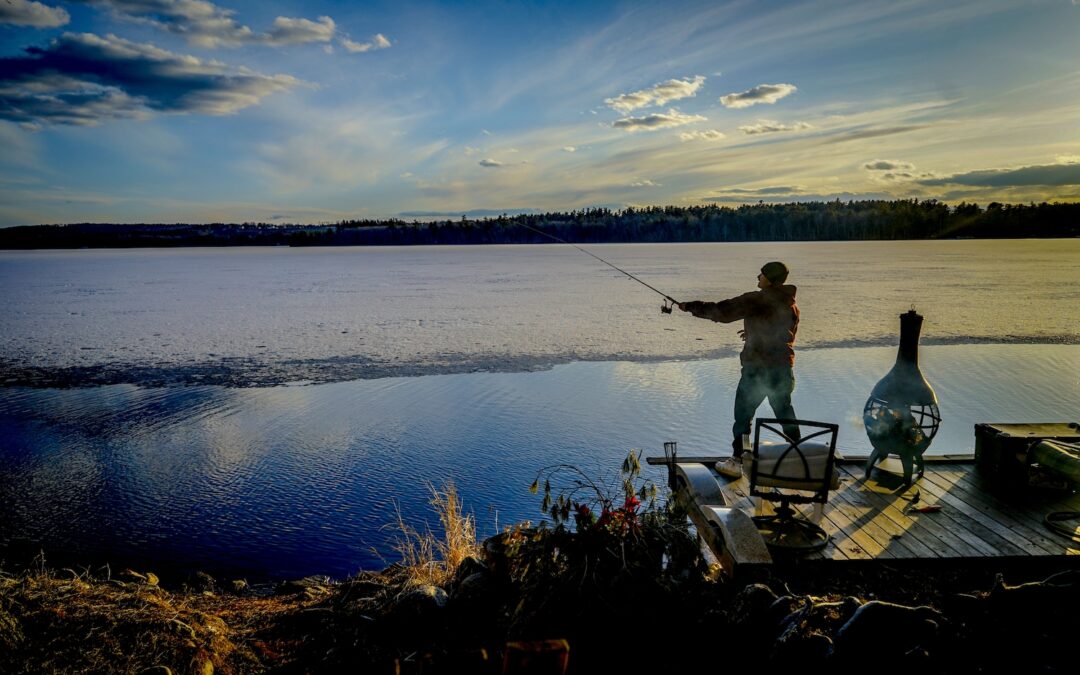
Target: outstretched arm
x=724, y=311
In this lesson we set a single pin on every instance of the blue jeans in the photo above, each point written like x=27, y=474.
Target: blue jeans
x=756, y=384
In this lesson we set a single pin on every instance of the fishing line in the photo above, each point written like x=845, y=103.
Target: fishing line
x=666, y=308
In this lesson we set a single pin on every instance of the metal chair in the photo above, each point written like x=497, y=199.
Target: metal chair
x=790, y=471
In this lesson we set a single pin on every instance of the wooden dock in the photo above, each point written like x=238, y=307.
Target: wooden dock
x=879, y=518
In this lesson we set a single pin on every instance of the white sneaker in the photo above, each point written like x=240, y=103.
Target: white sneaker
x=730, y=467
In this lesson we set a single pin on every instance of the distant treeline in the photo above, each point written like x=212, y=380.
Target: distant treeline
x=813, y=221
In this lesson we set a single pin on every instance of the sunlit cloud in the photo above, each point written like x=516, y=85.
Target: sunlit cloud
x=763, y=93
x=644, y=182
x=83, y=79
x=32, y=14
x=569, y=148
x=660, y=94
x=205, y=24
x=772, y=127
x=892, y=170
x=378, y=41
x=672, y=118
x=491, y=163
x=705, y=135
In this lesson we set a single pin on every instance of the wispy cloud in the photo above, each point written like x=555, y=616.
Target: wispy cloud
x=860, y=134
x=84, y=79
x=704, y=135
x=491, y=163
x=378, y=41
x=33, y=14
x=763, y=93
x=569, y=148
x=644, y=182
x=672, y=118
x=659, y=94
x=772, y=127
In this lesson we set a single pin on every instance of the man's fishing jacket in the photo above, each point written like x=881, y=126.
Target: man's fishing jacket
x=770, y=319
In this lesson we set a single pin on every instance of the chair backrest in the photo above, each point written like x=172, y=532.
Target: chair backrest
x=807, y=463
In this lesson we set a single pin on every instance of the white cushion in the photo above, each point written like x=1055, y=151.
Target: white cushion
x=791, y=471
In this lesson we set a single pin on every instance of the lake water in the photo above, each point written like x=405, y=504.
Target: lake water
x=244, y=411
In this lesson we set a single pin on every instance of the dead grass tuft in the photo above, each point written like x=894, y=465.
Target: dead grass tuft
x=430, y=560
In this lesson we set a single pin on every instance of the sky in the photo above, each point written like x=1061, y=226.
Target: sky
x=310, y=112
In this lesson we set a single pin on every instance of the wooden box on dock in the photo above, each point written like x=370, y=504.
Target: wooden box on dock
x=1001, y=450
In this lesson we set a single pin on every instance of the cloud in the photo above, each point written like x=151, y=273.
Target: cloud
x=84, y=79
x=763, y=93
x=672, y=90
x=569, y=148
x=490, y=163
x=468, y=213
x=1046, y=174
x=644, y=182
x=288, y=31
x=888, y=165
x=772, y=127
x=378, y=41
x=705, y=135
x=784, y=194
x=34, y=14
x=875, y=133
x=672, y=118
x=893, y=170
x=205, y=24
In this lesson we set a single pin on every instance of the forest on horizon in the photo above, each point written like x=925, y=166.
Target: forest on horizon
x=809, y=221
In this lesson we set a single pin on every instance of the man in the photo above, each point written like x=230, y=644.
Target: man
x=770, y=318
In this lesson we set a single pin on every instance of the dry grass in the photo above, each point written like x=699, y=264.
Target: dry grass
x=428, y=559
x=60, y=621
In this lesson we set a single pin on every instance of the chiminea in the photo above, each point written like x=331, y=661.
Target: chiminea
x=901, y=416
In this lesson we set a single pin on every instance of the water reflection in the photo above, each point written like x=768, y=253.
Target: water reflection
x=287, y=481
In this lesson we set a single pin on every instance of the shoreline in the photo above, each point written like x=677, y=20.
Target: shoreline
x=252, y=372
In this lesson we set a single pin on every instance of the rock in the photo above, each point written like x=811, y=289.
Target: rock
x=419, y=604
x=752, y=604
x=886, y=630
x=201, y=582
x=182, y=628
x=238, y=586
x=313, y=585
x=467, y=568
x=473, y=589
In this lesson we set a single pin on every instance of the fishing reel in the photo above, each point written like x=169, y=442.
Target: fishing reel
x=668, y=305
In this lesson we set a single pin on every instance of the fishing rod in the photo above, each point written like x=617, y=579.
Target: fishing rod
x=664, y=309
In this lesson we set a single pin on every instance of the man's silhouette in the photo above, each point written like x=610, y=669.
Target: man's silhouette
x=770, y=319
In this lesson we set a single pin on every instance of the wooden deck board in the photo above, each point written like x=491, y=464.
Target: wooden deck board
x=1019, y=539
x=875, y=519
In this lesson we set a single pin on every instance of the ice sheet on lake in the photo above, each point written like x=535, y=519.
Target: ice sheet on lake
x=247, y=316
